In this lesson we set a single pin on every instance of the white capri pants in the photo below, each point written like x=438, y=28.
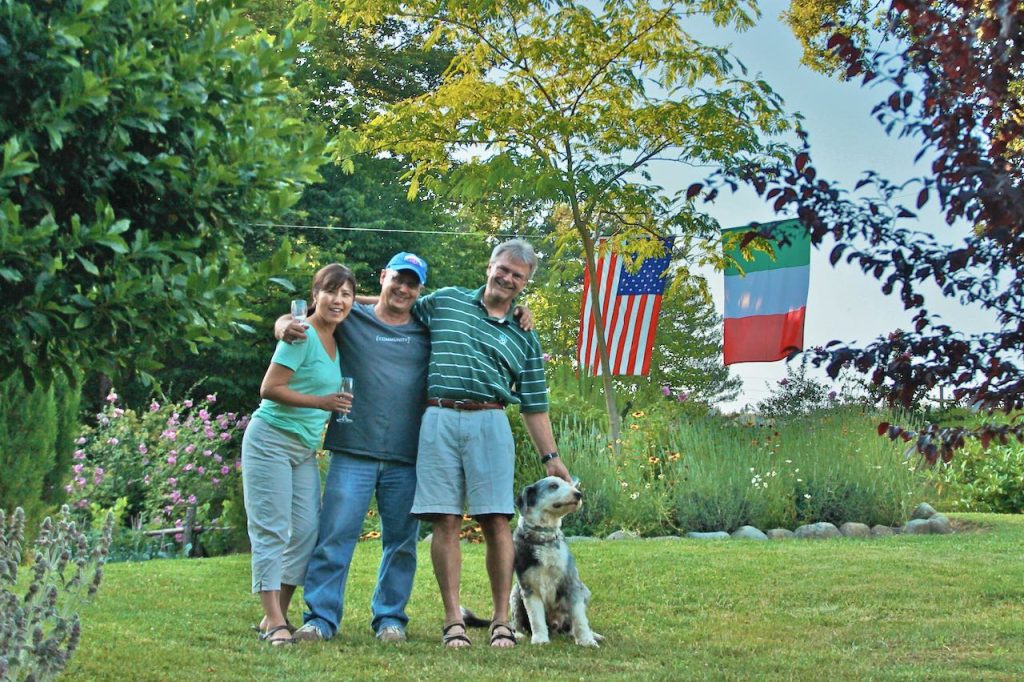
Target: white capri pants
x=281, y=485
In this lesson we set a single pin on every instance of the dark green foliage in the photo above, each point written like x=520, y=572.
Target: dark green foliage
x=141, y=139
x=67, y=398
x=28, y=425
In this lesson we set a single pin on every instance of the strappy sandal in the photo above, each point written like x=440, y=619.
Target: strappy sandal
x=280, y=641
x=291, y=628
x=507, y=636
x=447, y=636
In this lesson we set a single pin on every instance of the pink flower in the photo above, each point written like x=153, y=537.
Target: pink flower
x=783, y=382
x=118, y=412
x=112, y=441
x=82, y=503
x=547, y=356
x=243, y=421
x=208, y=453
x=172, y=460
x=832, y=395
x=178, y=537
x=79, y=454
x=97, y=476
x=70, y=488
x=154, y=406
x=111, y=397
x=666, y=390
x=189, y=449
x=218, y=459
x=187, y=403
x=169, y=434
x=212, y=398
x=79, y=481
x=214, y=481
x=190, y=466
x=191, y=499
x=201, y=470
x=682, y=396
x=77, y=468
x=209, y=432
x=143, y=449
x=225, y=435
x=80, y=440
x=172, y=481
x=225, y=470
x=204, y=415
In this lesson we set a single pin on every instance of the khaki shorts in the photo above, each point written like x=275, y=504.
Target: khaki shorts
x=466, y=461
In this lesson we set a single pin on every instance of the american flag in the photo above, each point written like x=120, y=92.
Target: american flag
x=630, y=303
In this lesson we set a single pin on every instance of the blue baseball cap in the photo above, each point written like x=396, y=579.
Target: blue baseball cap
x=409, y=261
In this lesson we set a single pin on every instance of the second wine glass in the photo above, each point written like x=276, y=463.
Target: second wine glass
x=346, y=387
x=299, y=309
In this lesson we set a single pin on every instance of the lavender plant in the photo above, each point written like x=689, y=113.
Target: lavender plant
x=40, y=630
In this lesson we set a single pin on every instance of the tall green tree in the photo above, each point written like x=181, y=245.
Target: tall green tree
x=571, y=105
x=141, y=140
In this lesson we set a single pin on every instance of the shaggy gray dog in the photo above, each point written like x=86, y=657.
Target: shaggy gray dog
x=548, y=595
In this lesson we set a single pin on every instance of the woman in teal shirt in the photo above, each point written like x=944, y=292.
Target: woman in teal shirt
x=280, y=477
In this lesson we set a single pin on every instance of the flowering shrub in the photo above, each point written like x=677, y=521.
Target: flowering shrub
x=163, y=460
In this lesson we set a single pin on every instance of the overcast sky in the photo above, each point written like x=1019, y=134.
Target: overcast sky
x=845, y=140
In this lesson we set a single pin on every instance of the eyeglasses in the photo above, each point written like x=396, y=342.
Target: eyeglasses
x=511, y=274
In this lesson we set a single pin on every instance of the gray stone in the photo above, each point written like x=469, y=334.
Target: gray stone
x=716, y=535
x=881, y=531
x=817, y=531
x=748, y=533
x=667, y=537
x=923, y=511
x=852, y=529
x=780, y=534
x=623, y=535
x=918, y=527
x=939, y=524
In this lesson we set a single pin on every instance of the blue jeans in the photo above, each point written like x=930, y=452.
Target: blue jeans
x=351, y=483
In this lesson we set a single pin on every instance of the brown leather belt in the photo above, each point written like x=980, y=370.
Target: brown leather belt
x=463, y=404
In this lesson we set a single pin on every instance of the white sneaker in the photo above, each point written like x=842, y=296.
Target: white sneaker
x=308, y=633
x=391, y=633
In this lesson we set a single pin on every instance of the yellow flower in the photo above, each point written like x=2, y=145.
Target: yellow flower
x=653, y=460
x=635, y=427
x=673, y=456
x=639, y=413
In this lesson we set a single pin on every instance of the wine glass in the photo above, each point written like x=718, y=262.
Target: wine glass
x=346, y=387
x=299, y=310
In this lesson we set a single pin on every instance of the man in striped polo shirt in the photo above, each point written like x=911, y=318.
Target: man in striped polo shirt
x=480, y=361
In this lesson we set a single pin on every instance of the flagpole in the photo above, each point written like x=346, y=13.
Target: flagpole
x=614, y=419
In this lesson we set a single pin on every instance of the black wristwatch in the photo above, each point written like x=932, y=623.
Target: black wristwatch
x=548, y=457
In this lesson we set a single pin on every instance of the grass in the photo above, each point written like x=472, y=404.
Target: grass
x=907, y=607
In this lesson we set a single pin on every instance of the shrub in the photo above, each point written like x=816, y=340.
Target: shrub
x=40, y=630
x=36, y=432
x=163, y=460
x=983, y=479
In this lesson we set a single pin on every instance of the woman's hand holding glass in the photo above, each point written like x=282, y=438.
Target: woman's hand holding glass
x=346, y=391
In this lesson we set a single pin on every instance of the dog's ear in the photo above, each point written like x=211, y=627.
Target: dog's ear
x=527, y=497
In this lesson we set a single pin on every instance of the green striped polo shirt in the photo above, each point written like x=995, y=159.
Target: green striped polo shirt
x=474, y=356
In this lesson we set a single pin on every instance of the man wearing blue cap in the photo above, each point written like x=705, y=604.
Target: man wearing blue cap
x=385, y=349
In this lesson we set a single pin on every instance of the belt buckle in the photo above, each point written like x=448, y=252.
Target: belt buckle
x=458, y=404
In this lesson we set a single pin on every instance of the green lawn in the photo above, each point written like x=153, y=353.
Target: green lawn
x=921, y=607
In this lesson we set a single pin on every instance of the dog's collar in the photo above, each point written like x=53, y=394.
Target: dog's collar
x=540, y=535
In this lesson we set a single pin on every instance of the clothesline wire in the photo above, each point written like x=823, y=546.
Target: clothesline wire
x=396, y=231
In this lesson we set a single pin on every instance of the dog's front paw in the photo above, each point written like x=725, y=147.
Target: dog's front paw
x=599, y=638
x=587, y=640
x=539, y=639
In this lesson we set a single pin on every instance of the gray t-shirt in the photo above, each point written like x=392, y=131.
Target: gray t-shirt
x=389, y=366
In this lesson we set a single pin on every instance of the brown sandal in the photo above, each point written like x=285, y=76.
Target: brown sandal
x=507, y=636
x=448, y=637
